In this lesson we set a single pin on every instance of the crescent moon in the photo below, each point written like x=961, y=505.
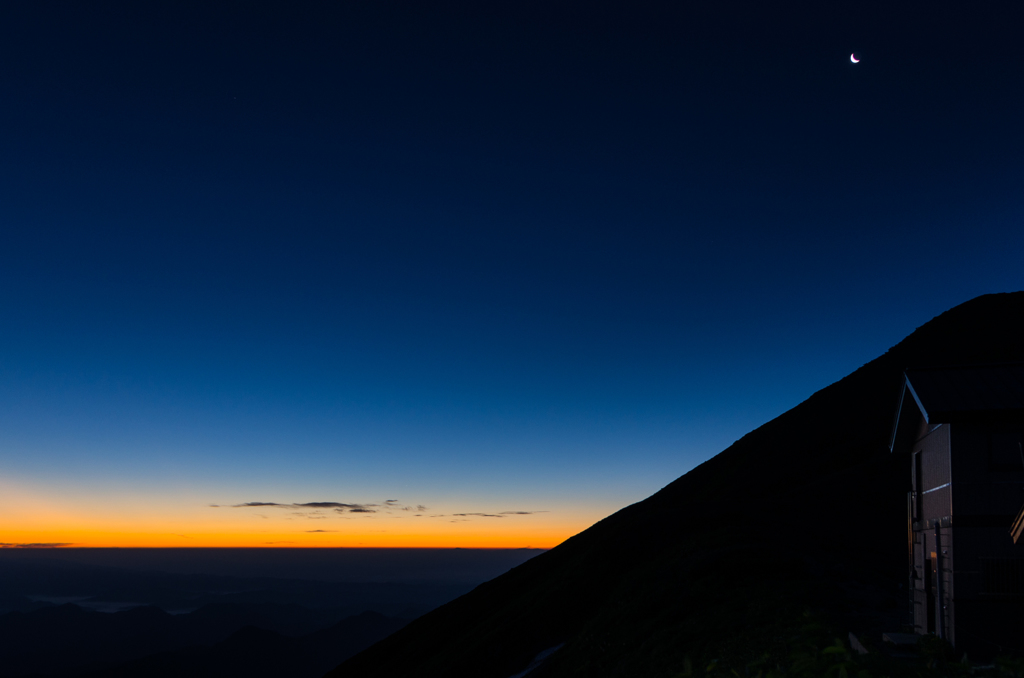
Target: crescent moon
x=854, y=59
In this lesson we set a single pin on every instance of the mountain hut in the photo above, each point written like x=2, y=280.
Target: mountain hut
x=962, y=429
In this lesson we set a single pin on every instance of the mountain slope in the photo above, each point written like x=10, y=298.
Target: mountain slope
x=807, y=511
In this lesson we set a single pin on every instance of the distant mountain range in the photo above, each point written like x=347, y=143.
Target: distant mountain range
x=31, y=578
x=60, y=618
x=806, y=515
x=253, y=640
x=256, y=652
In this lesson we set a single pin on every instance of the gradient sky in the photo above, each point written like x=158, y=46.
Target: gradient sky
x=522, y=261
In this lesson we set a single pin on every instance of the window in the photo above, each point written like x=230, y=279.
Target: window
x=1002, y=576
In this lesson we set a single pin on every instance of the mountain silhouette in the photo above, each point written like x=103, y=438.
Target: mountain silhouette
x=69, y=612
x=261, y=653
x=805, y=514
x=72, y=640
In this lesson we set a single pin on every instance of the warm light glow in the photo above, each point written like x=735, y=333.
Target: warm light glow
x=30, y=517
x=102, y=539
x=475, y=537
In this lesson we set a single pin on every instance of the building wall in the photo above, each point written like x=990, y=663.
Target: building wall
x=969, y=477
x=987, y=492
x=988, y=470
x=931, y=500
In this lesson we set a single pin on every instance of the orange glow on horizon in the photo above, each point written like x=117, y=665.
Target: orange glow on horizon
x=35, y=516
x=478, y=539
x=226, y=530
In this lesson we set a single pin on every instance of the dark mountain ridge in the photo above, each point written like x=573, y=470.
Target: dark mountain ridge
x=262, y=653
x=27, y=576
x=71, y=640
x=67, y=612
x=807, y=512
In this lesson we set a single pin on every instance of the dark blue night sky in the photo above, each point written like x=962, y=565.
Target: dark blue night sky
x=481, y=257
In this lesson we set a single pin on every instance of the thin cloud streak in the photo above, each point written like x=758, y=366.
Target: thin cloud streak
x=314, y=510
x=338, y=506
